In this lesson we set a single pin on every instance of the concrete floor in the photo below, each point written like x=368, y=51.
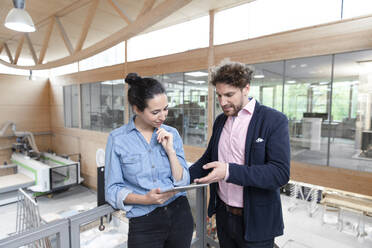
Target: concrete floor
x=301, y=231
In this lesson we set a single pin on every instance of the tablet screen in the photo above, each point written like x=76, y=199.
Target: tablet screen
x=187, y=187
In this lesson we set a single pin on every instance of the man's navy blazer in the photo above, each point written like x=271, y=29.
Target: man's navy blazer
x=266, y=169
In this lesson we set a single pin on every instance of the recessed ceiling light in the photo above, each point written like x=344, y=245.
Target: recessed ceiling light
x=196, y=81
x=259, y=76
x=291, y=81
x=112, y=82
x=196, y=74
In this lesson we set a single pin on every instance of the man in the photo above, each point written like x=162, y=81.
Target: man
x=246, y=162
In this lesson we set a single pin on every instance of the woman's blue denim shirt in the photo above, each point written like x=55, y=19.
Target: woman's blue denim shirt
x=134, y=166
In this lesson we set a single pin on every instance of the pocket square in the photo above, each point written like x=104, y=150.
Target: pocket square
x=259, y=140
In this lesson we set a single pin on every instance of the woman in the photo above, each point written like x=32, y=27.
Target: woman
x=143, y=158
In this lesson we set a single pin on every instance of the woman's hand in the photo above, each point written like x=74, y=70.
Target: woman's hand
x=155, y=196
x=166, y=140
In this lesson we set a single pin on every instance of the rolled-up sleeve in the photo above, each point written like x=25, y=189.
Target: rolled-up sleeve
x=178, y=145
x=115, y=191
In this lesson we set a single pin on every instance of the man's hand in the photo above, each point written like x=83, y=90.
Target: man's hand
x=217, y=174
x=155, y=196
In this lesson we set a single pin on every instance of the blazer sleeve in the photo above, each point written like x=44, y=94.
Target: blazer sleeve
x=274, y=173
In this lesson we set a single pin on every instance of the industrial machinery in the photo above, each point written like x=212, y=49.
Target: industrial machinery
x=41, y=172
x=50, y=172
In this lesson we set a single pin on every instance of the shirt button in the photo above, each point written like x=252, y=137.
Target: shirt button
x=154, y=180
x=153, y=166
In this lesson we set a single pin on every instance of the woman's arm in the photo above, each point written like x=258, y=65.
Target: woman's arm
x=166, y=139
x=115, y=190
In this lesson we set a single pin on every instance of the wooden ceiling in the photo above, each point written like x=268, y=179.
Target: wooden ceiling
x=71, y=30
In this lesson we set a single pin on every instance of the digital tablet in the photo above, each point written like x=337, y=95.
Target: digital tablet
x=185, y=188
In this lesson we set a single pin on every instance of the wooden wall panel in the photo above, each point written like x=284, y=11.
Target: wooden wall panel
x=337, y=37
x=26, y=103
x=57, y=116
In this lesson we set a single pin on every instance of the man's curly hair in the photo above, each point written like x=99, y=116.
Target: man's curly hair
x=233, y=73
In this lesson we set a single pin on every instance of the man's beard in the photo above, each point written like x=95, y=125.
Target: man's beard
x=234, y=109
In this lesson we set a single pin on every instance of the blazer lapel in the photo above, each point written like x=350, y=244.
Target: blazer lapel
x=218, y=135
x=251, y=132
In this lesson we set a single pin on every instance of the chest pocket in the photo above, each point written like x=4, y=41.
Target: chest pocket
x=132, y=164
x=258, y=153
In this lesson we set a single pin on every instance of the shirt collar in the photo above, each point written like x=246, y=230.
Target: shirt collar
x=249, y=107
x=131, y=125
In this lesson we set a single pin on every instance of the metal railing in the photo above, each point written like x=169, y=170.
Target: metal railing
x=67, y=230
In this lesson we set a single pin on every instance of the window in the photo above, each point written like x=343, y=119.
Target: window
x=70, y=104
x=112, y=56
x=102, y=105
x=354, y=8
x=65, y=69
x=177, y=38
x=262, y=17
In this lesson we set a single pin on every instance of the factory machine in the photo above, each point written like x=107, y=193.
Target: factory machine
x=40, y=172
x=49, y=172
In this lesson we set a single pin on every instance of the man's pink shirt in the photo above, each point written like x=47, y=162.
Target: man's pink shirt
x=231, y=149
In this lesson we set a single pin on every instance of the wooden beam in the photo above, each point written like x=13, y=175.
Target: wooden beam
x=31, y=47
x=64, y=36
x=120, y=11
x=126, y=88
x=19, y=49
x=211, y=98
x=157, y=14
x=8, y=53
x=87, y=23
x=147, y=6
x=46, y=41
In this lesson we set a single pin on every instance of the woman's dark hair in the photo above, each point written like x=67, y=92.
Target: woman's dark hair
x=142, y=89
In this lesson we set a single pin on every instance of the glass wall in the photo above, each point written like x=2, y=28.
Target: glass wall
x=267, y=84
x=306, y=104
x=70, y=101
x=327, y=99
x=188, y=105
x=328, y=105
x=351, y=140
x=173, y=84
x=102, y=105
x=196, y=107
